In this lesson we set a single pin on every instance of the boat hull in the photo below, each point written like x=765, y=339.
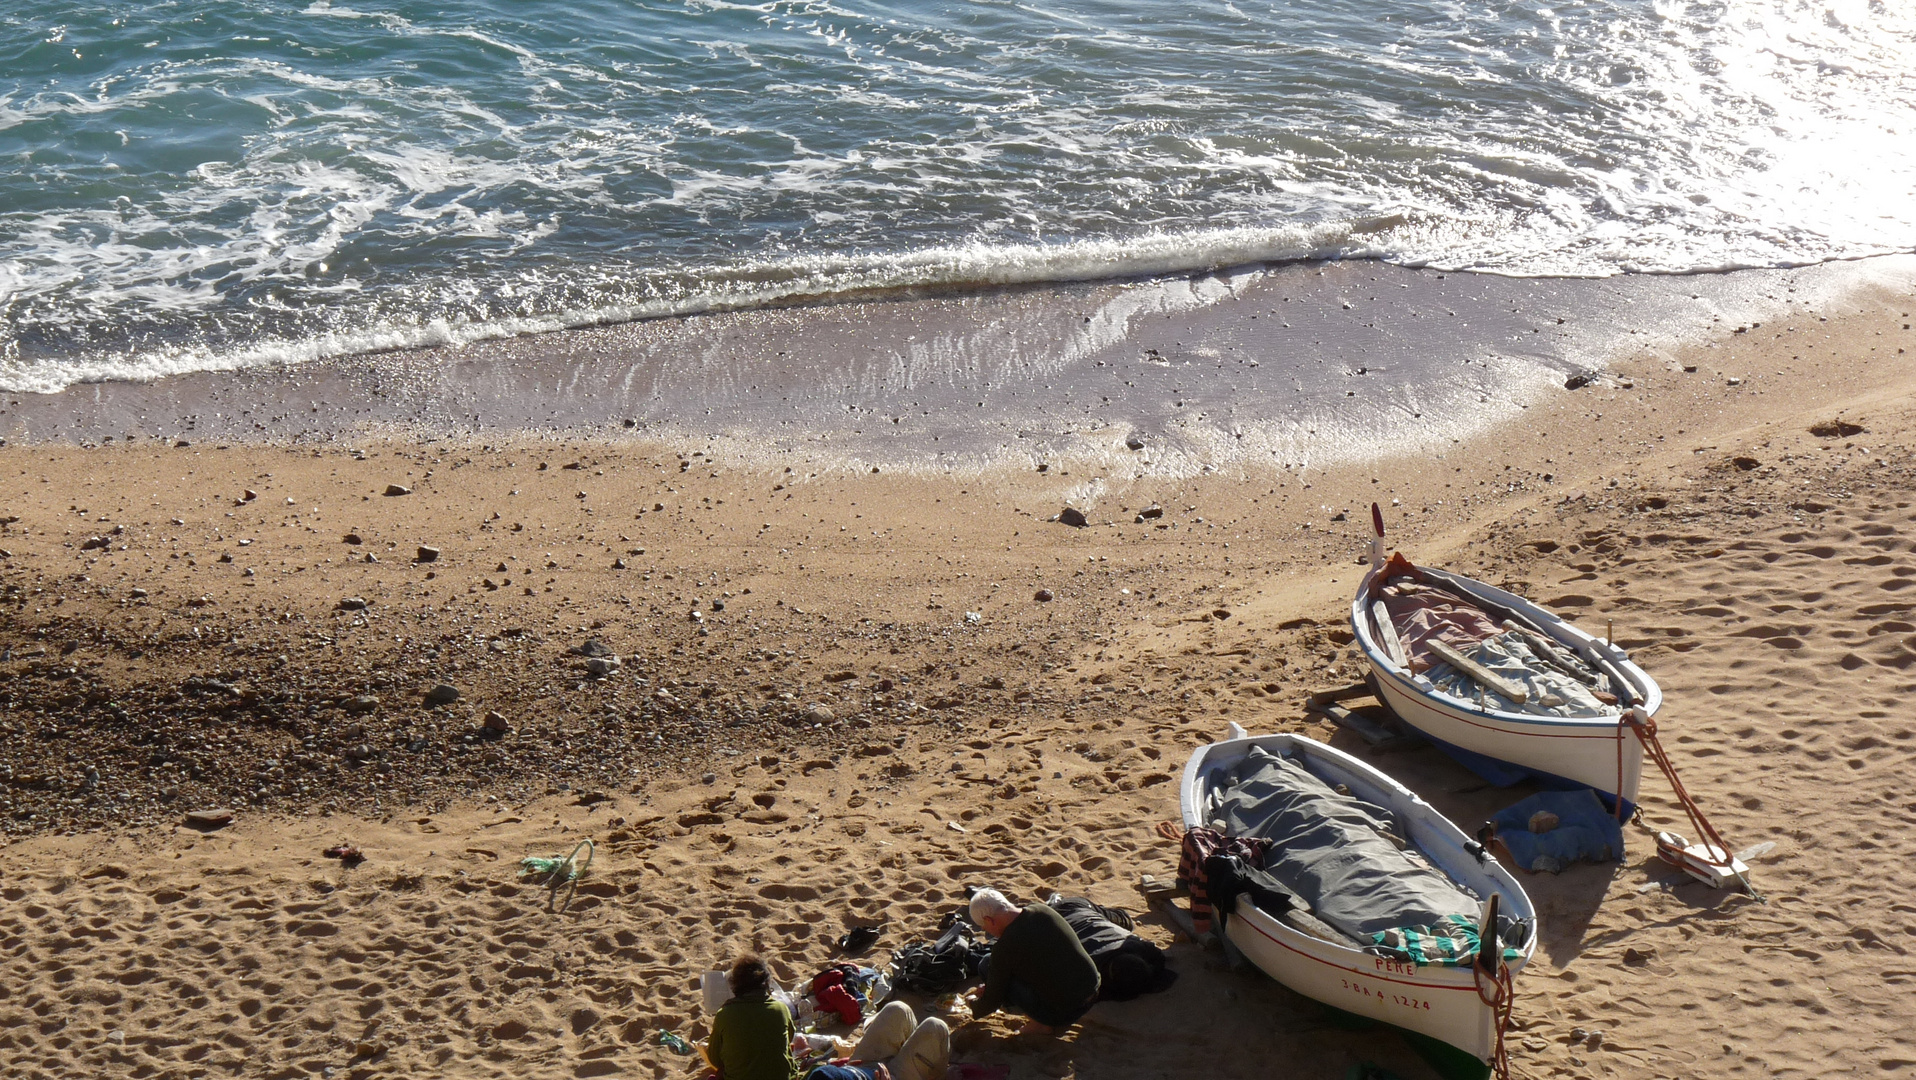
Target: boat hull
x=1441, y=1003
x=1595, y=752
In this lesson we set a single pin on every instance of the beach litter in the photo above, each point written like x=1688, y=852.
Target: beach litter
x=675, y=1044
x=561, y=872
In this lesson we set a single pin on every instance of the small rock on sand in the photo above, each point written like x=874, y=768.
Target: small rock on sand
x=209, y=819
x=443, y=694
x=353, y=603
x=1042, y=596
x=1073, y=517
x=398, y=489
x=1150, y=513
x=427, y=554
x=820, y=714
x=363, y=703
x=496, y=721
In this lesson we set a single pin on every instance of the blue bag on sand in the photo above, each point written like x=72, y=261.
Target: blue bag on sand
x=1585, y=831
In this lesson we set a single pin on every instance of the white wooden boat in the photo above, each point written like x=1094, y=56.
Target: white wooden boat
x=1437, y=1002
x=1505, y=746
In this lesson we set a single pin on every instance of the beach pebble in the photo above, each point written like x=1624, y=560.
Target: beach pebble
x=1073, y=517
x=443, y=694
x=351, y=538
x=364, y=703
x=353, y=603
x=820, y=714
x=1150, y=513
x=709, y=779
x=209, y=819
x=618, y=564
x=137, y=594
x=1043, y=596
x=601, y=665
x=93, y=542
x=426, y=554
x=398, y=489
x=1134, y=441
x=1543, y=821
x=496, y=722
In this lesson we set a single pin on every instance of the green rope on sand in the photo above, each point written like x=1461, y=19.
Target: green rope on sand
x=559, y=870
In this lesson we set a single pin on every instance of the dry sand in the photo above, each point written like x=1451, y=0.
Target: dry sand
x=840, y=743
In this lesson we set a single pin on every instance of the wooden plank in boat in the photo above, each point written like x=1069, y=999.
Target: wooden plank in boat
x=1485, y=677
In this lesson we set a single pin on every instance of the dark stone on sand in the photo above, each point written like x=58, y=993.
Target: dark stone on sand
x=1042, y=596
x=593, y=647
x=496, y=722
x=1134, y=441
x=209, y=819
x=1073, y=517
x=1579, y=380
x=1150, y=513
x=1835, y=429
x=1745, y=464
x=364, y=703
x=427, y=554
x=353, y=603
x=93, y=542
x=443, y=694
x=398, y=489
x=352, y=538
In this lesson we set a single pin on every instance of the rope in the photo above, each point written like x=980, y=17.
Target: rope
x=1501, y=999
x=1714, y=844
x=1172, y=831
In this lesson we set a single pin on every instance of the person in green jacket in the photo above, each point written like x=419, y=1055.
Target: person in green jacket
x=1038, y=967
x=752, y=1034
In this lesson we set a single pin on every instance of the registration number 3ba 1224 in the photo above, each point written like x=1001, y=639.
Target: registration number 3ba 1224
x=1395, y=999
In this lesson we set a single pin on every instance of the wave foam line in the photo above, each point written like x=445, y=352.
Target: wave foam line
x=814, y=279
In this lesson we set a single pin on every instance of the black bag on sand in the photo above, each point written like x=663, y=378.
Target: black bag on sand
x=1128, y=965
x=943, y=965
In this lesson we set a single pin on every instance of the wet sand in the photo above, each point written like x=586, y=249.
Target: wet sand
x=871, y=747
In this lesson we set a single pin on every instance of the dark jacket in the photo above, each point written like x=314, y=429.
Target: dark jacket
x=1040, y=952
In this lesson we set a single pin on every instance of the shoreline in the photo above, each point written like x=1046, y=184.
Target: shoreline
x=1033, y=747
x=1291, y=364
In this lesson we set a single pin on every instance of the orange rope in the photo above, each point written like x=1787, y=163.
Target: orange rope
x=1502, y=999
x=1646, y=730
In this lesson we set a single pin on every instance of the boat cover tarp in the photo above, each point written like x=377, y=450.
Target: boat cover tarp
x=1333, y=850
x=1585, y=831
x=1552, y=693
x=1421, y=613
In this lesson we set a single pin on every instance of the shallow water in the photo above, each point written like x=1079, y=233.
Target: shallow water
x=238, y=182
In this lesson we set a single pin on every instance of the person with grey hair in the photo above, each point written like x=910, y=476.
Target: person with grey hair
x=1037, y=968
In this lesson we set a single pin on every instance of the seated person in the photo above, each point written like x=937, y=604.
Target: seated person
x=1037, y=968
x=752, y=1034
x=893, y=1049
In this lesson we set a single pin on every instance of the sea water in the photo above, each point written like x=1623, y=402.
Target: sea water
x=226, y=183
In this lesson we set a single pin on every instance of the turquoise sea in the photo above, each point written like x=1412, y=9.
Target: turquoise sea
x=228, y=183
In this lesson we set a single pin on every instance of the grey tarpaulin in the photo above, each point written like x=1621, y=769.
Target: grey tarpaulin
x=1331, y=850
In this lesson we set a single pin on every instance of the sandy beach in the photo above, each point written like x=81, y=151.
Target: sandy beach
x=839, y=697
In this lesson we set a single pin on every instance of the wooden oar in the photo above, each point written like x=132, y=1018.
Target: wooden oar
x=1387, y=635
x=1513, y=691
